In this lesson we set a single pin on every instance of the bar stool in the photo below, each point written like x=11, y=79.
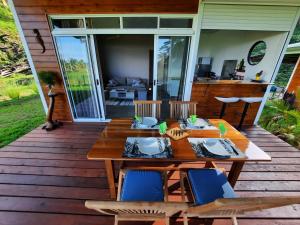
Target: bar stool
x=247, y=101
x=226, y=101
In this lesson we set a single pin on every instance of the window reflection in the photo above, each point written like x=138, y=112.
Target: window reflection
x=172, y=63
x=78, y=78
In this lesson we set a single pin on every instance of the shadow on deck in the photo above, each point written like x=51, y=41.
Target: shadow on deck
x=45, y=179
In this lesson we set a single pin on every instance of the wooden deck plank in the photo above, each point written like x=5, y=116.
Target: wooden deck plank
x=46, y=176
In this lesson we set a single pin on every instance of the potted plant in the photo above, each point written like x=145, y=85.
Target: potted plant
x=50, y=79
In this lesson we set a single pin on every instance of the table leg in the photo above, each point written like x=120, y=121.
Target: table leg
x=111, y=178
x=234, y=173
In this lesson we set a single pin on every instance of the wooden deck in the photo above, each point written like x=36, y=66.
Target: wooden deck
x=45, y=178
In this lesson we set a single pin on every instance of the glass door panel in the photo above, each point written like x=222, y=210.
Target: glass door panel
x=76, y=66
x=172, y=57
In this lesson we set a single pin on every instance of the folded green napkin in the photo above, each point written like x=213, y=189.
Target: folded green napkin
x=163, y=128
x=193, y=118
x=222, y=128
x=138, y=118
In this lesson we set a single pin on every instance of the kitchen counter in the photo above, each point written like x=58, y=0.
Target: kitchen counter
x=204, y=92
x=229, y=82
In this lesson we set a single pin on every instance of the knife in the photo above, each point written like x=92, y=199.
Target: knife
x=233, y=149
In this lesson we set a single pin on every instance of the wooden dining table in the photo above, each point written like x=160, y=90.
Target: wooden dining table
x=111, y=144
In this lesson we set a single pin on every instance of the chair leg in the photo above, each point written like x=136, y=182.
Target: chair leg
x=234, y=221
x=166, y=191
x=185, y=220
x=121, y=175
x=116, y=220
x=181, y=177
x=167, y=220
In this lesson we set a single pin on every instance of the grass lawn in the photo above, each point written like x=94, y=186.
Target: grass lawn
x=18, y=117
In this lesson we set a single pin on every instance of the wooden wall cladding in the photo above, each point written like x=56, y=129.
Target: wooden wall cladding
x=209, y=107
x=295, y=82
x=33, y=15
x=109, y=6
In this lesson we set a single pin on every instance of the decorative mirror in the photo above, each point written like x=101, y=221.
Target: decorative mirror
x=257, y=52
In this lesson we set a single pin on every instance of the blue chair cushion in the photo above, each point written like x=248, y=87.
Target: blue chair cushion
x=209, y=185
x=142, y=185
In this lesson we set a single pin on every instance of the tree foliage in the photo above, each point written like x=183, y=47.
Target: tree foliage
x=280, y=119
x=12, y=54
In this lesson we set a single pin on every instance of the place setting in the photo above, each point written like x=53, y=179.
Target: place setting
x=195, y=123
x=149, y=147
x=216, y=148
x=145, y=123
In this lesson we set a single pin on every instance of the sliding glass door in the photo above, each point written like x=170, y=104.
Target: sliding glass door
x=171, y=66
x=78, y=75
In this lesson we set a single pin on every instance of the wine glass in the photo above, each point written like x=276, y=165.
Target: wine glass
x=222, y=129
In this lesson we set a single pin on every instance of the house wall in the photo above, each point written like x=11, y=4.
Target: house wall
x=234, y=45
x=295, y=78
x=33, y=14
x=125, y=55
x=248, y=17
x=256, y=2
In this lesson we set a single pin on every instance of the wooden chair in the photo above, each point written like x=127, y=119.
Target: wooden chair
x=147, y=108
x=182, y=109
x=230, y=207
x=234, y=207
x=138, y=210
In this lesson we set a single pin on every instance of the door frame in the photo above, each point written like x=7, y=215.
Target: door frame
x=155, y=58
x=192, y=32
x=91, y=71
x=97, y=76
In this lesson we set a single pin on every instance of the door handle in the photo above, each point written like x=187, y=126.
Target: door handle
x=154, y=82
x=97, y=82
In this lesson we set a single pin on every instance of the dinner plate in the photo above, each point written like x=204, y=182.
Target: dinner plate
x=199, y=122
x=149, y=121
x=150, y=145
x=216, y=147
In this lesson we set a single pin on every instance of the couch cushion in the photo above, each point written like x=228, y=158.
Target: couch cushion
x=141, y=185
x=209, y=185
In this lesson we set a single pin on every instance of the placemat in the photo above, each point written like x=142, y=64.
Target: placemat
x=201, y=151
x=131, y=149
x=187, y=126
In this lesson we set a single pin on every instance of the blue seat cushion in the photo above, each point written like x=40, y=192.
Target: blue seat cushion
x=209, y=185
x=142, y=185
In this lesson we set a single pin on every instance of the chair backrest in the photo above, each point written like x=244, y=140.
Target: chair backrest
x=147, y=108
x=238, y=206
x=182, y=109
x=137, y=209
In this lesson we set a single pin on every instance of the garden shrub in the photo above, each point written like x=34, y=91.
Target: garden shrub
x=13, y=92
x=281, y=119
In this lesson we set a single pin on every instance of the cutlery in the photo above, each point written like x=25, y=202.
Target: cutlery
x=135, y=148
x=168, y=147
x=208, y=123
x=154, y=125
x=233, y=148
x=222, y=142
x=209, y=154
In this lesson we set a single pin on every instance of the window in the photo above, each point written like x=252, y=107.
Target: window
x=140, y=22
x=103, y=22
x=176, y=23
x=67, y=23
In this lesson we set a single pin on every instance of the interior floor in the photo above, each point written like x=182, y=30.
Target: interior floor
x=127, y=71
x=115, y=111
